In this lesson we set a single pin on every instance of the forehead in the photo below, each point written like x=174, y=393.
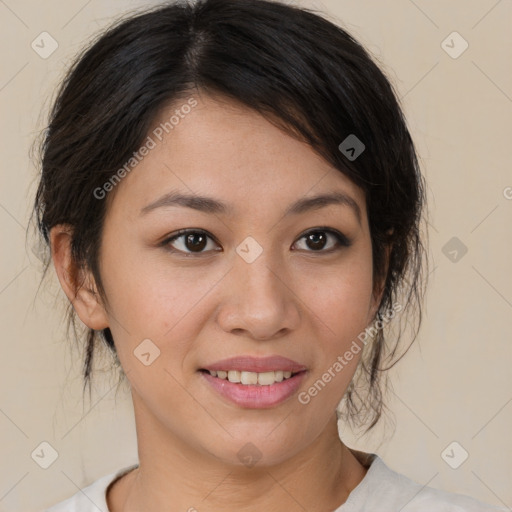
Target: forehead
x=221, y=149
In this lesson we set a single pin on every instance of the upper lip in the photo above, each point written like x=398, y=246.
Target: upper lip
x=257, y=364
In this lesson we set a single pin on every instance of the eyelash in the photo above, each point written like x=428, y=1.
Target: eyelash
x=341, y=239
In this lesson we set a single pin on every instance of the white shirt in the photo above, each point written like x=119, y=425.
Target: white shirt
x=381, y=490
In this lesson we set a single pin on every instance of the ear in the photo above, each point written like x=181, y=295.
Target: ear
x=379, y=287
x=78, y=284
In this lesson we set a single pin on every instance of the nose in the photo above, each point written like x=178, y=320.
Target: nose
x=258, y=300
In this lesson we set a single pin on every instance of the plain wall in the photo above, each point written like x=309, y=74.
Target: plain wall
x=454, y=384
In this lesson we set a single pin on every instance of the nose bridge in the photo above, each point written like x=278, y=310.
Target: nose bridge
x=254, y=250
x=264, y=275
x=260, y=302
x=258, y=271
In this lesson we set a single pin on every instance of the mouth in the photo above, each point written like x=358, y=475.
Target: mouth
x=254, y=390
x=254, y=382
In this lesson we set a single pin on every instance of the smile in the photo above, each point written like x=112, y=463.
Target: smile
x=255, y=390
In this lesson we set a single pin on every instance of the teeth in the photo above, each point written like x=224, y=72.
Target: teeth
x=266, y=378
x=234, y=376
x=248, y=378
x=252, y=378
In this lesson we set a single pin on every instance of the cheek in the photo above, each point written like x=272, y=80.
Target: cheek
x=340, y=296
x=140, y=292
x=340, y=302
x=155, y=300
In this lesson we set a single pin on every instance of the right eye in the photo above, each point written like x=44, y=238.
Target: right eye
x=190, y=241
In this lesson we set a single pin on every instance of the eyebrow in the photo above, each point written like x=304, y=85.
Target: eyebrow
x=215, y=206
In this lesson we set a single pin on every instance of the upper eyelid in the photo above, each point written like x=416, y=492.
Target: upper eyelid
x=188, y=231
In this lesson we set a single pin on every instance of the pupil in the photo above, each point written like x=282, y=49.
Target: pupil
x=317, y=238
x=191, y=245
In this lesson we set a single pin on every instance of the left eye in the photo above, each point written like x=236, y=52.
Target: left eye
x=196, y=241
x=318, y=238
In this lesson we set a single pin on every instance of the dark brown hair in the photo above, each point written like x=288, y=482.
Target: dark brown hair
x=301, y=71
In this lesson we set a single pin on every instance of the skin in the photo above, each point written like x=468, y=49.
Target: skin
x=296, y=299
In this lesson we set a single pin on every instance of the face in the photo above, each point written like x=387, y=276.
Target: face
x=270, y=274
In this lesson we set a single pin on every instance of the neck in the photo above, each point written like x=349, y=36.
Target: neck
x=318, y=478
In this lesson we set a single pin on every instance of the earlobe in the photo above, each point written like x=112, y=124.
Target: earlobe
x=78, y=284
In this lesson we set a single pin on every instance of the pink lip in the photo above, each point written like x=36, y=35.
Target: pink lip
x=254, y=396
x=257, y=364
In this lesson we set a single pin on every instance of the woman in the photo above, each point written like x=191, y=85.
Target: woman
x=233, y=204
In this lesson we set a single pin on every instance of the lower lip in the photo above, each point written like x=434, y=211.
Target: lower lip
x=253, y=396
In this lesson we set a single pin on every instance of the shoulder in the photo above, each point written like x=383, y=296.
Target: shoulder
x=383, y=489
x=91, y=498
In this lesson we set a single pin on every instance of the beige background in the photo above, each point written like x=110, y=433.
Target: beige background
x=454, y=385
